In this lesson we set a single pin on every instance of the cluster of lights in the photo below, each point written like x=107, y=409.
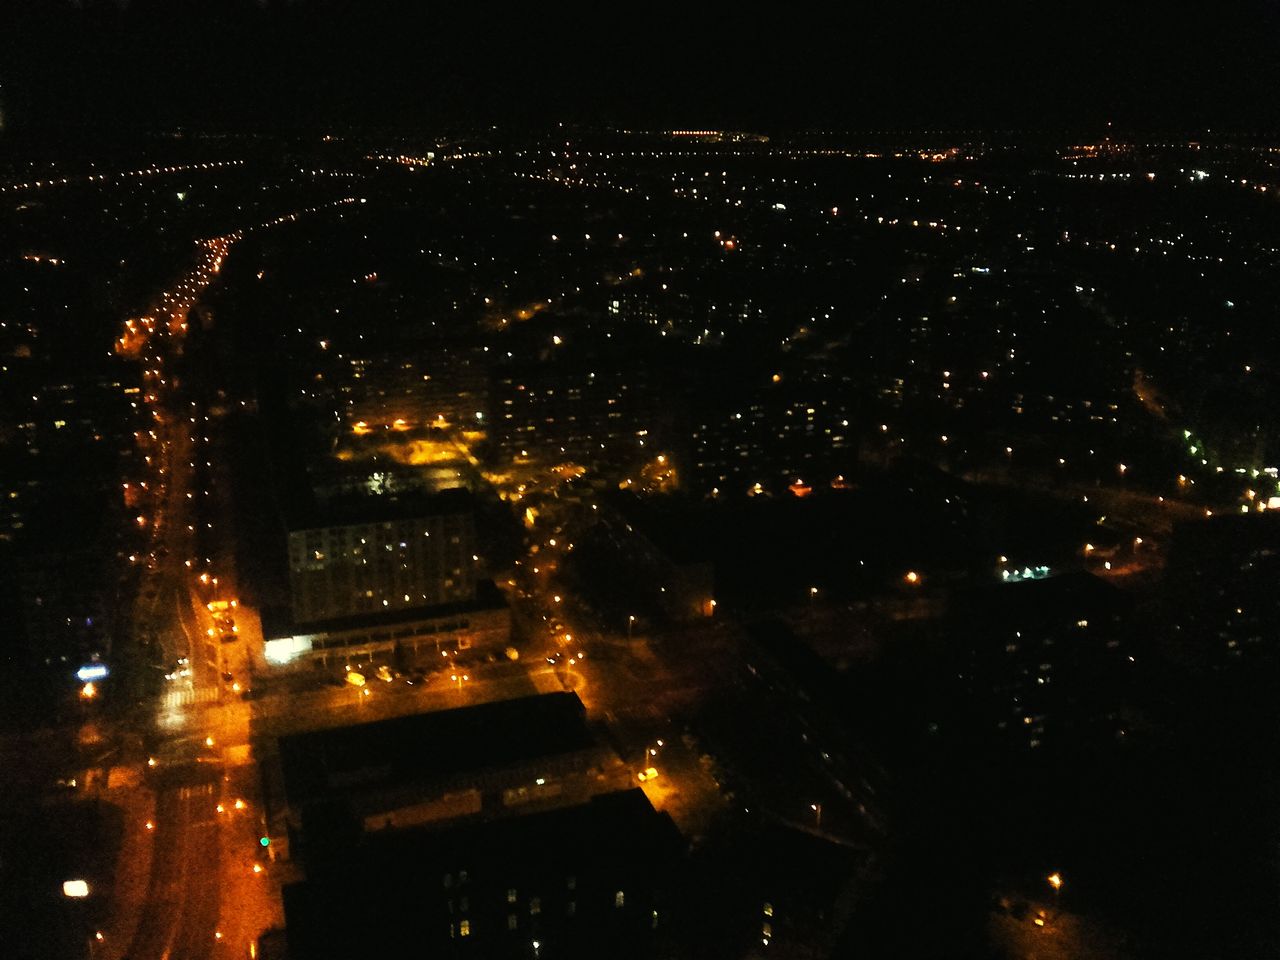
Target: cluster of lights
x=405, y=160
x=347, y=174
x=118, y=177
x=177, y=302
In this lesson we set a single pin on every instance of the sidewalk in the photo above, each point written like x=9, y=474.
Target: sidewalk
x=132, y=875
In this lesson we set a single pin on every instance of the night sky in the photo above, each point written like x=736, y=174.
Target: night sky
x=271, y=64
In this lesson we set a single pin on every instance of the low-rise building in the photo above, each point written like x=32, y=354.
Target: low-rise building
x=583, y=881
x=486, y=761
x=480, y=626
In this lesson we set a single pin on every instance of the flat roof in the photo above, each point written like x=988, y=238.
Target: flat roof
x=606, y=828
x=306, y=512
x=330, y=763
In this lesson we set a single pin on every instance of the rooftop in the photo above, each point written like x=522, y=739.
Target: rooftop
x=428, y=746
x=304, y=512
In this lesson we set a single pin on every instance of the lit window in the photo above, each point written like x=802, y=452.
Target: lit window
x=511, y=895
x=765, y=929
x=619, y=898
x=768, y=909
x=464, y=928
x=535, y=905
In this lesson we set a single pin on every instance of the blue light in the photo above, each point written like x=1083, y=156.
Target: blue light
x=92, y=671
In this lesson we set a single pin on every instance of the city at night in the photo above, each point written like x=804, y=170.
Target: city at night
x=562, y=482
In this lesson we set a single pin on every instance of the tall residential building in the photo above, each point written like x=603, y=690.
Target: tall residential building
x=371, y=555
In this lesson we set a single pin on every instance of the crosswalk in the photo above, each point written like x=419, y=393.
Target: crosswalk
x=178, y=697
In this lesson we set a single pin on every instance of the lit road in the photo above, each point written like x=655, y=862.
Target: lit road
x=209, y=888
x=286, y=710
x=181, y=913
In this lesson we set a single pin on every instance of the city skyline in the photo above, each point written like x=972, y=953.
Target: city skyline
x=726, y=485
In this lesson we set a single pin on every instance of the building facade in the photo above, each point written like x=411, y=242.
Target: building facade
x=347, y=569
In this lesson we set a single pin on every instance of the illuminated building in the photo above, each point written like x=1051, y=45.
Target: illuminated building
x=447, y=386
x=372, y=555
x=587, y=415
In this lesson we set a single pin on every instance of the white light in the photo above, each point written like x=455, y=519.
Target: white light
x=93, y=671
x=286, y=649
x=76, y=889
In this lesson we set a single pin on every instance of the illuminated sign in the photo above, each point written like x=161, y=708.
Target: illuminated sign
x=92, y=671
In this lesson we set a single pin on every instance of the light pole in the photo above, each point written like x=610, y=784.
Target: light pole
x=817, y=815
x=631, y=619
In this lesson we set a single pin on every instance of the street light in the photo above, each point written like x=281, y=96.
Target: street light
x=817, y=813
x=1055, y=880
x=631, y=619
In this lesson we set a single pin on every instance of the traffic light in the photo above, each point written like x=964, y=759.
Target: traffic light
x=265, y=841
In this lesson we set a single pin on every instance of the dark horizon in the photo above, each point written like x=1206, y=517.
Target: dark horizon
x=274, y=65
